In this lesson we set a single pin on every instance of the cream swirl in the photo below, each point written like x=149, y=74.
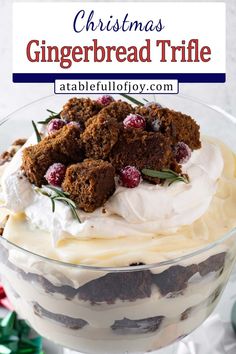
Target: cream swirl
x=143, y=211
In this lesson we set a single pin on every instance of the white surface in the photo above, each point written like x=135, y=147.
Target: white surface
x=12, y=96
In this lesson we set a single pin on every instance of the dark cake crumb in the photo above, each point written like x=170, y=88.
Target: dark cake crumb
x=129, y=286
x=66, y=321
x=68, y=291
x=146, y=325
x=118, y=110
x=136, y=264
x=184, y=316
x=142, y=149
x=174, y=279
x=212, y=264
x=80, y=109
x=67, y=142
x=182, y=128
x=90, y=183
x=5, y=157
x=215, y=295
x=64, y=146
x=176, y=125
x=19, y=142
x=124, y=286
x=100, y=136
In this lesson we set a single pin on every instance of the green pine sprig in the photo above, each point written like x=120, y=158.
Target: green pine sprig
x=132, y=99
x=59, y=195
x=38, y=136
x=166, y=174
x=52, y=115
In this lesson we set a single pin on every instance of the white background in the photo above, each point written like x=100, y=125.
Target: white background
x=182, y=21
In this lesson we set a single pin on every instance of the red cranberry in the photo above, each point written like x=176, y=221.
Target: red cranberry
x=105, y=100
x=182, y=152
x=129, y=177
x=134, y=121
x=55, y=174
x=55, y=124
x=2, y=293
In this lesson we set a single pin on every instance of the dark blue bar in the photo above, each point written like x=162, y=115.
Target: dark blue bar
x=21, y=77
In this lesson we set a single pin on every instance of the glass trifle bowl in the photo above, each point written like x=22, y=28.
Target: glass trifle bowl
x=136, y=308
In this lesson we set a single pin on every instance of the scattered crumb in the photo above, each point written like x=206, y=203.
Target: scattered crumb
x=19, y=142
x=185, y=314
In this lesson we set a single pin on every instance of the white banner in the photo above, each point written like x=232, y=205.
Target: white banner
x=119, y=38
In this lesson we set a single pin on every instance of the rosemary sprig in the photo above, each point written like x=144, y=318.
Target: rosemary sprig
x=50, y=117
x=133, y=100
x=52, y=112
x=38, y=136
x=169, y=175
x=59, y=195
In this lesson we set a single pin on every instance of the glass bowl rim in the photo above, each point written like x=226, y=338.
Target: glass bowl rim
x=169, y=262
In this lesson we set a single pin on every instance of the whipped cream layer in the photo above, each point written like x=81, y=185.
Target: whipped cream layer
x=219, y=218
x=146, y=210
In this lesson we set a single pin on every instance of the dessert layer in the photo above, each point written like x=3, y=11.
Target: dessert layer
x=127, y=212
x=96, y=287
x=120, y=251
x=175, y=305
x=149, y=332
x=104, y=311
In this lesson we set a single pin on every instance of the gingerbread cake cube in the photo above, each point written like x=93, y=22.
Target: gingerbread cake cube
x=142, y=149
x=178, y=126
x=100, y=136
x=118, y=110
x=90, y=183
x=64, y=146
x=80, y=110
